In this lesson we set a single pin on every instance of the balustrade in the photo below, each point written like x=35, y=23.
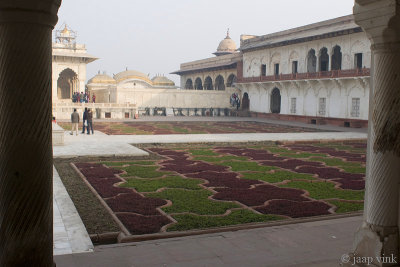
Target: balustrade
x=307, y=75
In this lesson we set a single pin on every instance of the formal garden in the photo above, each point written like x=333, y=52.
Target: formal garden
x=200, y=186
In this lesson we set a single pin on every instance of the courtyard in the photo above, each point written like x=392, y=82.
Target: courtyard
x=193, y=187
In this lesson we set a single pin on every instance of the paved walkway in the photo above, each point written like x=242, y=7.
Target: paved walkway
x=306, y=244
x=69, y=233
x=318, y=244
x=100, y=144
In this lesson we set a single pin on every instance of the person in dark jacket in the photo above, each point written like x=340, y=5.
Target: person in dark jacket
x=89, y=121
x=84, y=119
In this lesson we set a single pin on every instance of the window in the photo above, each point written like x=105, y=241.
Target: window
x=276, y=69
x=358, y=61
x=293, y=105
x=263, y=70
x=323, y=59
x=322, y=106
x=294, y=67
x=355, y=107
x=311, y=61
x=336, y=58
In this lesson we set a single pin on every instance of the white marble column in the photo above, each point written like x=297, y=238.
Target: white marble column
x=26, y=232
x=379, y=234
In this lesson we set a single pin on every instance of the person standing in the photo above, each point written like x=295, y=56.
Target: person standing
x=89, y=121
x=84, y=120
x=74, y=121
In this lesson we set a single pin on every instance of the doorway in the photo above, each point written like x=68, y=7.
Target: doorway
x=276, y=101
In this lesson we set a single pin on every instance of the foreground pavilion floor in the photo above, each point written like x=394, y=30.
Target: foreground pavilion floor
x=319, y=243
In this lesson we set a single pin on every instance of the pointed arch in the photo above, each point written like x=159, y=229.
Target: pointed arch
x=189, y=84
x=231, y=80
x=276, y=101
x=336, y=58
x=220, y=83
x=323, y=59
x=311, y=61
x=198, y=84
x=67, y=84
x=208, y=83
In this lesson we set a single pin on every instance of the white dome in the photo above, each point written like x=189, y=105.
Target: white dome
x=162, y=81
x=101, y=78
x=226, y=46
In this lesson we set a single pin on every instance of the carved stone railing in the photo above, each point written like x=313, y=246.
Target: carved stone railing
x=307, y=76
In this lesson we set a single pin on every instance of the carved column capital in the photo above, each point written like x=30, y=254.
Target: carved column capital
x=30, y=11
x=380, y=21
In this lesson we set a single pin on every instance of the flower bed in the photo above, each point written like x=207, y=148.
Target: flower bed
x=209, y=186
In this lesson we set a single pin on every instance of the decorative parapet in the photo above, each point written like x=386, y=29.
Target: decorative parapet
x=307, y=76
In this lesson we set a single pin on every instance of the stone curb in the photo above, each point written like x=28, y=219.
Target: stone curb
x=114, y=238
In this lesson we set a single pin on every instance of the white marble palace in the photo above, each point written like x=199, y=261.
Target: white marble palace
x=69, y=65
x=317, y=73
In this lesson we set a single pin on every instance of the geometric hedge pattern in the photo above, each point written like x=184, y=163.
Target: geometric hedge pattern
x=210, y=186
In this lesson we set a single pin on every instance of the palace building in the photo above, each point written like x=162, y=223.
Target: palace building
x=317, y=73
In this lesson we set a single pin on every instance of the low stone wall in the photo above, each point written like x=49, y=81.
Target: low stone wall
x=62, y=111
x=314, y=120
x=57, y=135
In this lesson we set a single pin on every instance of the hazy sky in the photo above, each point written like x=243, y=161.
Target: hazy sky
x=156, y=36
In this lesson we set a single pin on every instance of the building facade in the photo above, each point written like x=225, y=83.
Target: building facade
x=69, y=65
x=216, y=76
x=317, y=73
x=126, y=87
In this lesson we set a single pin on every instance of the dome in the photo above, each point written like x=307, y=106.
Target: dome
x=162, y=81
x=66, y=31
x=102, y=78
x=226, y=46
x=131, y=74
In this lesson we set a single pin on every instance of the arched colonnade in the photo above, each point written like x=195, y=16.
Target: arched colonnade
x=208, y=83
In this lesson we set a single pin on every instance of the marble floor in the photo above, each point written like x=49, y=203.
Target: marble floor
x=69, y=233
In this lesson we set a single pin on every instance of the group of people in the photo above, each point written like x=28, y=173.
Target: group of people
x=82, y=97
x=235, y=100
x=87, y=121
